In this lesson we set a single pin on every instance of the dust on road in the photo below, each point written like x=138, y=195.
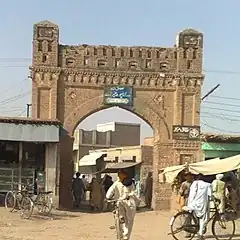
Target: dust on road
x=81, y=226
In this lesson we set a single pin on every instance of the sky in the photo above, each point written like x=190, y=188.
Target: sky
x=135, y=22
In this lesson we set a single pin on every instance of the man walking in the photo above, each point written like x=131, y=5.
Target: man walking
x=77, y=189
x=198, y=201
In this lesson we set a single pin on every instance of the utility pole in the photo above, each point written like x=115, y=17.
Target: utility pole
x=210, y=92
x=28, y=109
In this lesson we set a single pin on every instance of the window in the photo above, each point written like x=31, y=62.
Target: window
x=87, y=51
x=49, y=46
x=149, y=54
x=189, y=64
x=45, y=57
x=104, y=52
x=86, y=60
x=122, y=53
x=163, y=66
x=134, y=158
x=133, y=64
x=95, y=51
x=102, y=63
x=69, y=61
x=175, y=54
x=185, y=54
x=157, y=54
x=116, y=159
x=40, y=46
x=113, y=52
x=131, y=53
x=148, y=63
x=194, y=54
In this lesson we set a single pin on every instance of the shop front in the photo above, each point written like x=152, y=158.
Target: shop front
x=220, y=146
x=29, y=154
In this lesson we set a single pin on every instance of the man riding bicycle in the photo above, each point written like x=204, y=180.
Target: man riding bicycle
x=123, y=190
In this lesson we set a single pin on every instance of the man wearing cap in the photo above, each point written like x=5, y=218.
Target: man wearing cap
x=124, y=191
x=219, y=189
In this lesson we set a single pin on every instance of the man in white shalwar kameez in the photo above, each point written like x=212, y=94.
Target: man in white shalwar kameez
x=124, y=191
x=198, y=201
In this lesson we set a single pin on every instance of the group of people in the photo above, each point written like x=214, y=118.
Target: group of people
x=195, y=195
x=97, y=190
x=124, y=189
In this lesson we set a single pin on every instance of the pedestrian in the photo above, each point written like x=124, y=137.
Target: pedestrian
x=198, y=201
x=77, y=189
x=184, y=193
x=124, y=191
x=148, y=190
x=184, y=189
x=219, y=190
x=95, y=195
x=86, y=186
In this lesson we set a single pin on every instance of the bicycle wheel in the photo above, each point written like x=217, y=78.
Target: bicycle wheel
x=10, y=201
x=26, y=207
x=183, y=225
x=47, y=204
x=118, y=226
x=223, y=229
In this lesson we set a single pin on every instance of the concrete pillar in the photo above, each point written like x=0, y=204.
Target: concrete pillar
x=51, y=170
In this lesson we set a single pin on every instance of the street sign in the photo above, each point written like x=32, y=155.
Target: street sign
x=118, y=95
x=180, y=132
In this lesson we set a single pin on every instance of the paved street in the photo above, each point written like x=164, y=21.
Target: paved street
x=82, y=226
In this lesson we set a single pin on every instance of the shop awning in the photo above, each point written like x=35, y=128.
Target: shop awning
x=91, y=159
x=114, y=167
x=208, y=167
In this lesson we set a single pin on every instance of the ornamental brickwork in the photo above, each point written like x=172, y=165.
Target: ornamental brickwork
x=68, y=83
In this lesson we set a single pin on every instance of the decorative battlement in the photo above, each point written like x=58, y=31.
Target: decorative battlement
x=185, y=56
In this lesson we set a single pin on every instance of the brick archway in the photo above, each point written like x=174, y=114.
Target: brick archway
x=141, y=109
x=69, y=81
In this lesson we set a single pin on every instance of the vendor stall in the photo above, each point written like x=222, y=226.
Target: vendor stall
x=210, y=167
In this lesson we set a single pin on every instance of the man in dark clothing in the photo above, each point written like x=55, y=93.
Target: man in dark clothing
x=77, y=189
x=148, y=190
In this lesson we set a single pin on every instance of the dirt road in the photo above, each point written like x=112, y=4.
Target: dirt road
x=82, y=226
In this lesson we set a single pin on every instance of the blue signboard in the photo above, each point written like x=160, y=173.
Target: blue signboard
x=118, y=95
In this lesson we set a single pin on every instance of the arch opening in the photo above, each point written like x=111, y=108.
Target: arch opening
x=122, y=135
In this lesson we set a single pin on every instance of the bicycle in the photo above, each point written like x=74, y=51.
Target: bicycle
x=117, y=220
x=43, y=202
x=13, y=199
x=190, y=223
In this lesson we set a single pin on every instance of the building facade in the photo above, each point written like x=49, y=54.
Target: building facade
x=220, y=146
x=162, y=85
x=106, y=135
x=140, y=155
x=29, y=150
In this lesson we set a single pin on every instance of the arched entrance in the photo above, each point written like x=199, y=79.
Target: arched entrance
x=160, y=85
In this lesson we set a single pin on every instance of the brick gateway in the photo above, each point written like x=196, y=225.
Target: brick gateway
x=68, y=84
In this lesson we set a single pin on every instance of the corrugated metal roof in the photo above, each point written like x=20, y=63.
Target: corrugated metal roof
x=35, y=121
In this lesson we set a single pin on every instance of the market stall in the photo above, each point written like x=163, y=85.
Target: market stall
x=209, y=167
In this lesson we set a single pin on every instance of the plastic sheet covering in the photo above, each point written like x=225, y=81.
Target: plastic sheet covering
x=170, y=173
x=208, y=167
x=215, y=166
